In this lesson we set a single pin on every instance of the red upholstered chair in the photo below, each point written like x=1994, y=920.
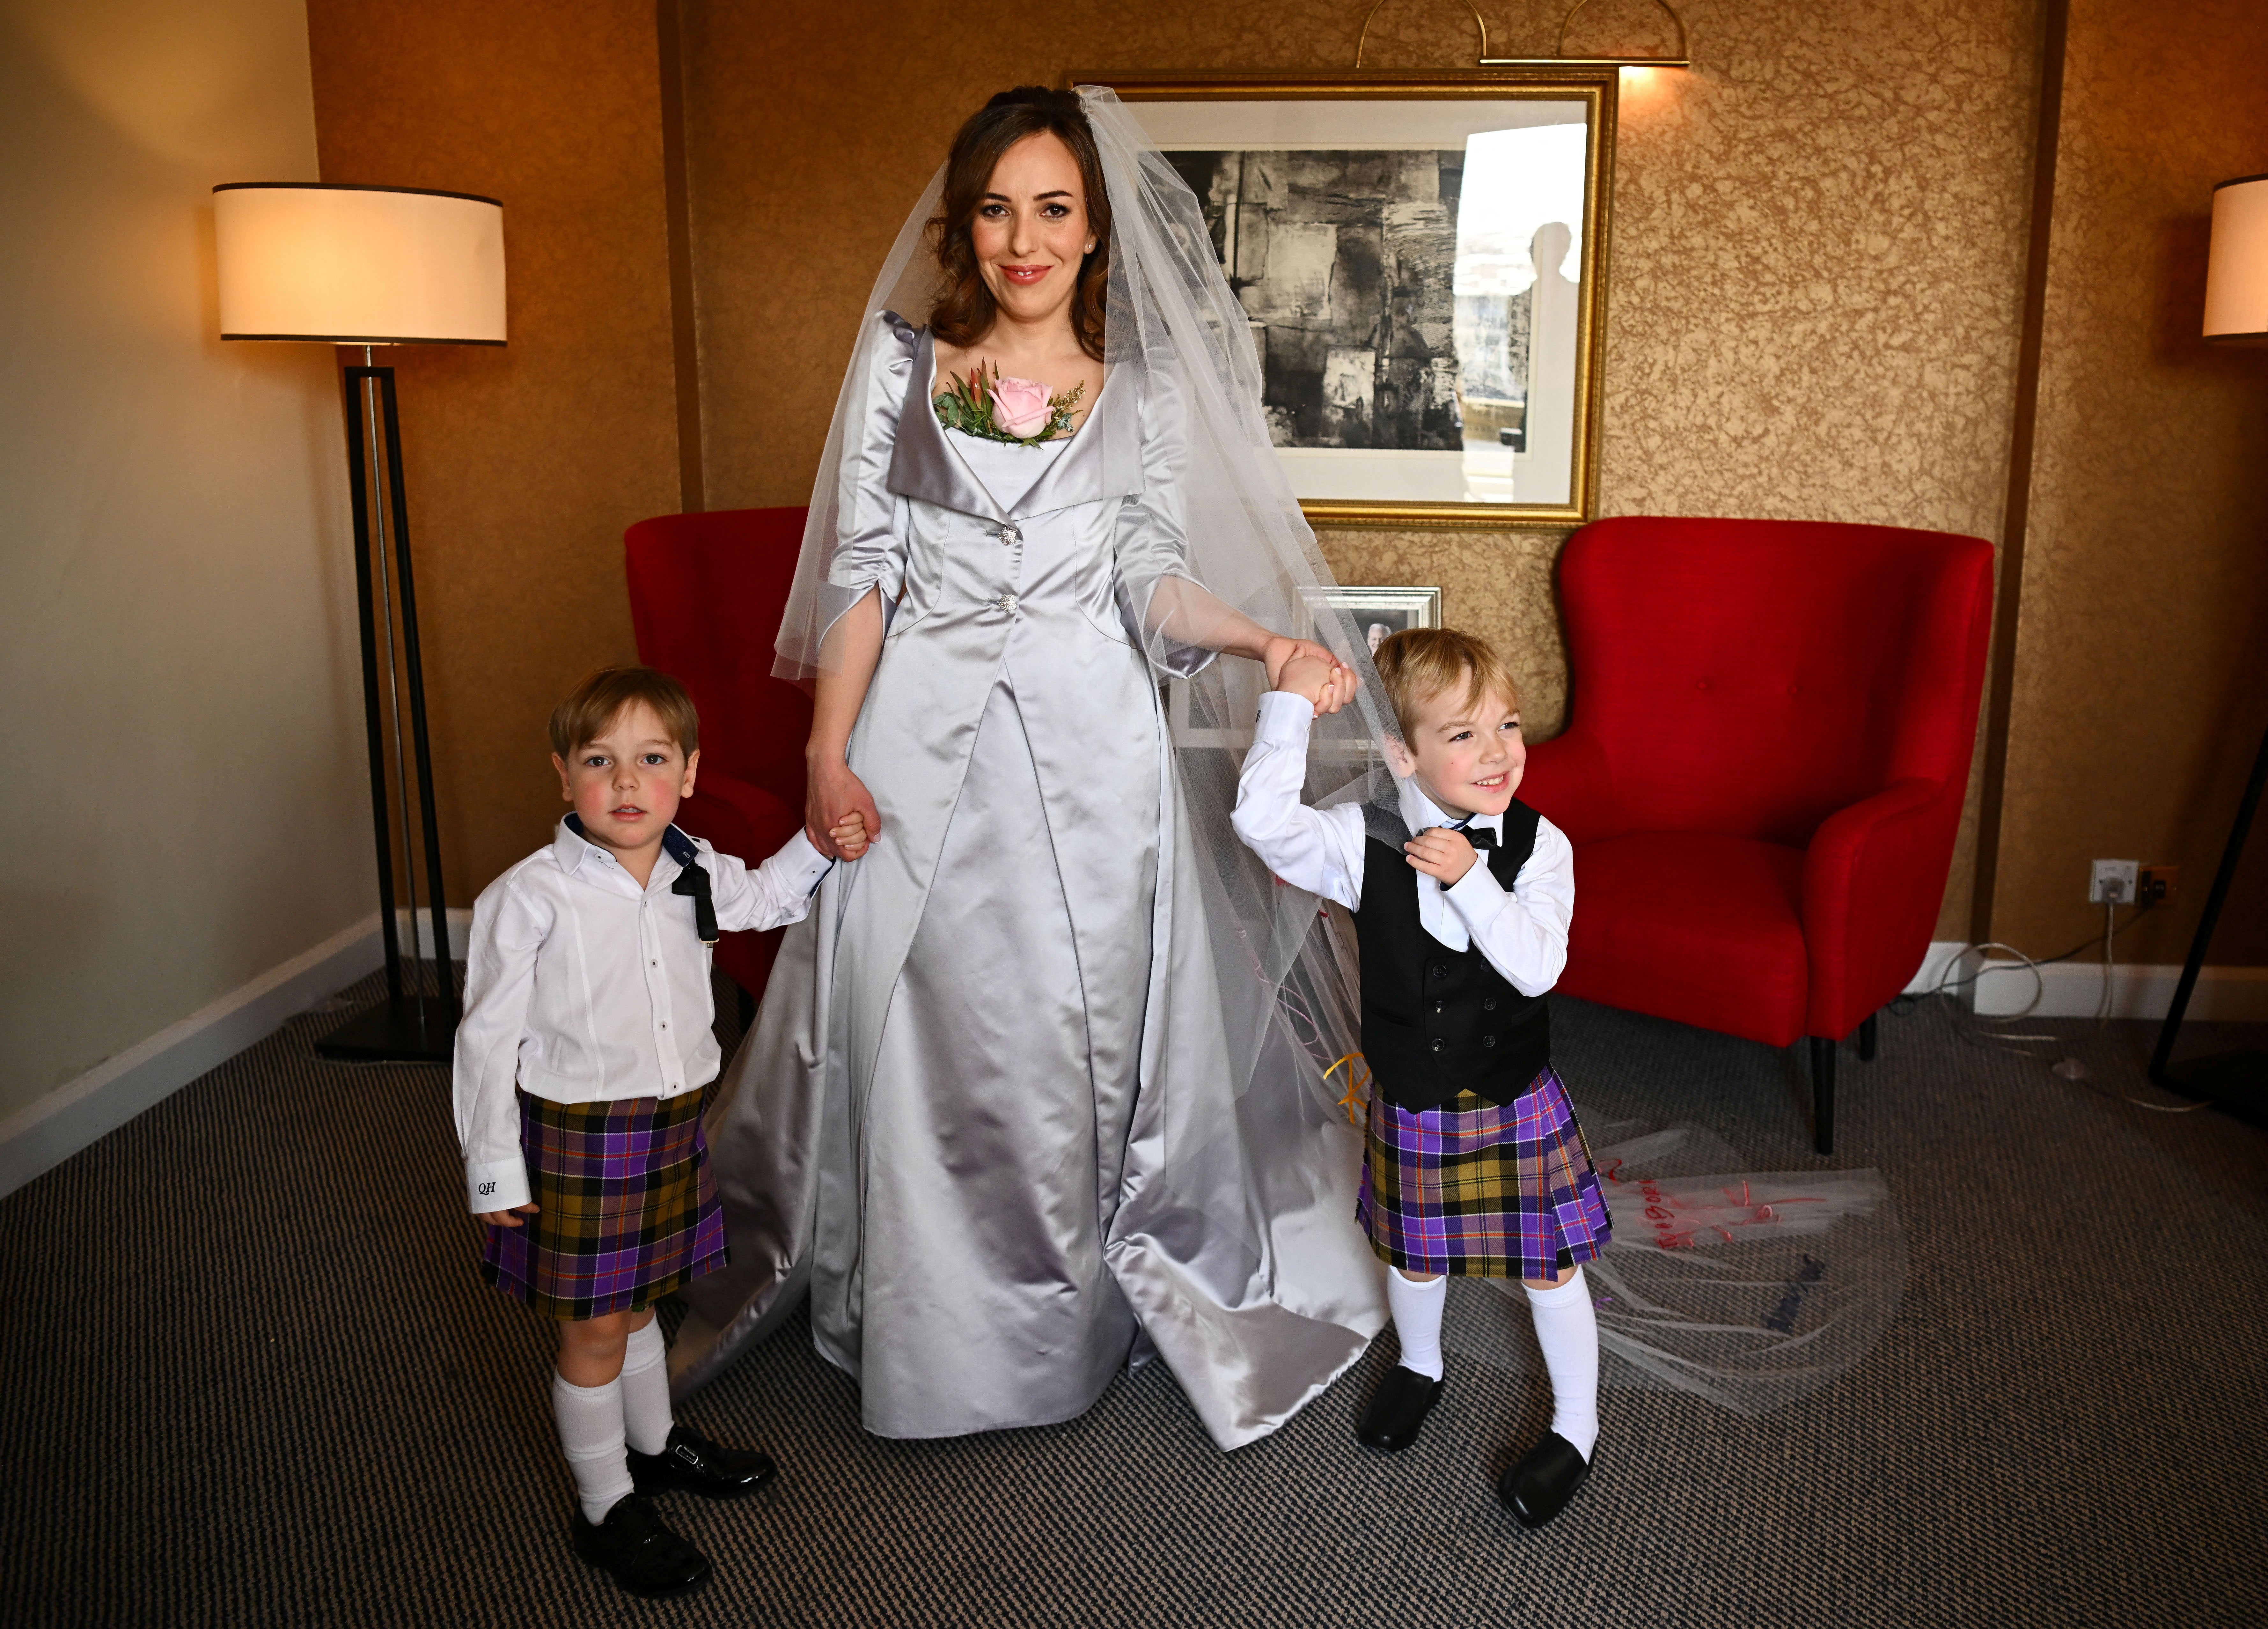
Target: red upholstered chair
x=706, y=595
x=1764, y=769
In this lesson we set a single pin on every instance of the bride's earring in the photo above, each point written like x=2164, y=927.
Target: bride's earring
x=1090, y=247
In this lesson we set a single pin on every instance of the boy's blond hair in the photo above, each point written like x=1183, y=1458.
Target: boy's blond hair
x=1418, y=664
x=599, y=699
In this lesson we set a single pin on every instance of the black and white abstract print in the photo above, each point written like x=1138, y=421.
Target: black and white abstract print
x=1346, y=263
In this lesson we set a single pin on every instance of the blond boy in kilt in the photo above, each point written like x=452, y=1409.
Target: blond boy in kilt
x=1473, y=1163
x=579, y=1067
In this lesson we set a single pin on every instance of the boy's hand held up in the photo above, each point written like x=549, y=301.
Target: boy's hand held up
x=849, y=835
x=1318, y=679
x=1440, y=853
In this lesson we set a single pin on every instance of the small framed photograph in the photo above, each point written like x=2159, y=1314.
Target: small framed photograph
x=1421, y=258
x=1377, y=611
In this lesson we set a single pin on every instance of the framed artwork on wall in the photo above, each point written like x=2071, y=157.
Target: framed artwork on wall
x=1422, y=259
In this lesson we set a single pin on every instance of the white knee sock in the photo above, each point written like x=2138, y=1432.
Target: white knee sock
x=646, y=1390
x=1417, y=1309
x=591, y=1433
x=1567, y=1329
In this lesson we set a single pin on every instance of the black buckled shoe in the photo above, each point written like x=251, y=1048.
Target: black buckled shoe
x=1539, y=1487
x=1396, y=1410
x=636, y=1547
x=691, y=1463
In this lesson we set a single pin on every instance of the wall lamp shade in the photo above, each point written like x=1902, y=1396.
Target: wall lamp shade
x=2236, y=271
x=359, y=265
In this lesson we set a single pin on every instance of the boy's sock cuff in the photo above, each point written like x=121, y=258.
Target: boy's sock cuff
x=1575, y=1289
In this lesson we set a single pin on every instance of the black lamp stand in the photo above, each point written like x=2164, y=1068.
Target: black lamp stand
x=415, y=1023
x=2238, y=1080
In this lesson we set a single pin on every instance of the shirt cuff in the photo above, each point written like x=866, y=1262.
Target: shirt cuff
x=501, y=1185
x=1284, y=720
x=804, y=865
x=1478, y=895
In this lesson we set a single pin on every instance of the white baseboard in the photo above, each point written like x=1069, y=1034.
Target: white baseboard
x=1936, y=967
x=2002, y=989
x=45, y=1133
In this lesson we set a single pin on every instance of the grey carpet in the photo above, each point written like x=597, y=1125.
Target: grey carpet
x=252, y=1376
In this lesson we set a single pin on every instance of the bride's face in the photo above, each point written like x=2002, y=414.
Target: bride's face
x=1030, y=229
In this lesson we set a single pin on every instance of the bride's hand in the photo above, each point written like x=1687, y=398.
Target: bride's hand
x=834, y=795
x=1279, y=651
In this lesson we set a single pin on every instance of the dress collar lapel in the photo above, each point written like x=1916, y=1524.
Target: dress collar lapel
x=1109, y=445
x=922, y=465
x=1103, y=460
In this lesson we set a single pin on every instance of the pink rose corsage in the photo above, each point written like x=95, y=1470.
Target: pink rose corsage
x=1020, y=406
x=1016, y=410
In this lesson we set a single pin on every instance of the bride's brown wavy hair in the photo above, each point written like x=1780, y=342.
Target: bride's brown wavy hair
x=965, y=309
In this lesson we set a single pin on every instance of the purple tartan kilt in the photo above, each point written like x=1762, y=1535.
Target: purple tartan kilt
x=629, y=1208
x=1482, y=1189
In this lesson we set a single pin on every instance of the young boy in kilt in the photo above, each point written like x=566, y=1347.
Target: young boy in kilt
x=579, y=1067
x=1473, y=1163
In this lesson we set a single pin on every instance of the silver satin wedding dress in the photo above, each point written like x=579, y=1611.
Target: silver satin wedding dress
x=981, y=1113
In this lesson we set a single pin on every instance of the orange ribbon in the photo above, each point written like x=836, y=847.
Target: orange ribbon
x=1354, y=1085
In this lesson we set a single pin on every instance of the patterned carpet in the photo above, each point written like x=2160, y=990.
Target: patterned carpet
x=252, y=1376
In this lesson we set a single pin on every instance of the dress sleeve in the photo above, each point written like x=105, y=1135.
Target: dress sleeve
x=869, y=550
x=1164, y=607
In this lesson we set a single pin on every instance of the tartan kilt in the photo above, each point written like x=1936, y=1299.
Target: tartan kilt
x=629, y=1210
x=1482, y=1189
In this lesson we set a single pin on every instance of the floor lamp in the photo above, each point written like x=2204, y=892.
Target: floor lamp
x=2235, y=312
x=373, y=266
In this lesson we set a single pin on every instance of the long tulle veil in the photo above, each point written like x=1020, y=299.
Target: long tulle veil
x=1287, y=984
x=1695, y=1256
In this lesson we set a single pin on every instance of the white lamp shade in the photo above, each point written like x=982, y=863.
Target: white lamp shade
x=359, y=265
x=2236, y=274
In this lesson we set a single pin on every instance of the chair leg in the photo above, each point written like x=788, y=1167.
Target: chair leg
x=1822, y=1094
x=1867, y=1037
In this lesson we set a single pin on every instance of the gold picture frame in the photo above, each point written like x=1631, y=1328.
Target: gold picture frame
x=1403, y=483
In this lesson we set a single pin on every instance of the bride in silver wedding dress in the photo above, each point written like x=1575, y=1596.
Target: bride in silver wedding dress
x=1020, y=1106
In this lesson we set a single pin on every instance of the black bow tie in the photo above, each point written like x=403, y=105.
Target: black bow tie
x=694, y=880
x=1479, y=836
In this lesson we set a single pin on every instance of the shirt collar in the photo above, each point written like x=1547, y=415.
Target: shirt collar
x=1419, y=811
x=572, y=848
x=569, y=845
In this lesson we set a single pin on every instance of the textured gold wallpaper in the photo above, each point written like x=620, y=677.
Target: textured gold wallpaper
x=1817, y=275
x=525, y=463
x=1817, y=253
x=2141, y=680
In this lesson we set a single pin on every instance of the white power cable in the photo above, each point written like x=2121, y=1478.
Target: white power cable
x=2004, y=1038
x=2110, y=960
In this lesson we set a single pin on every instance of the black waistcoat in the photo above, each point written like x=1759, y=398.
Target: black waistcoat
x=1437, y=1022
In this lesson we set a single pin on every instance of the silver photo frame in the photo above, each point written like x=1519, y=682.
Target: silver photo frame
x=1376, y=609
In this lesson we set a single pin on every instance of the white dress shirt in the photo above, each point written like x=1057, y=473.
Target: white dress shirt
x=1523, y=932
x=580, y=987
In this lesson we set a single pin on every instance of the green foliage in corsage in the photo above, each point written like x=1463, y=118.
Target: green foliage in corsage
x=997, y=408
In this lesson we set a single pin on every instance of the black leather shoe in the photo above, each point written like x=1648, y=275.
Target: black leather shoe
x=1539, y=1487
x=635, y=1545
x=1396, y=1410
x=691, y=1463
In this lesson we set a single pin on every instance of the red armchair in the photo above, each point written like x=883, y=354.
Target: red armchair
x=1764, y=768
x=706, y=595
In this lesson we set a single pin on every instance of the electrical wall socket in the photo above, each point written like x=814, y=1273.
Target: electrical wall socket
x=2113, y=882
x=2158, y=884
